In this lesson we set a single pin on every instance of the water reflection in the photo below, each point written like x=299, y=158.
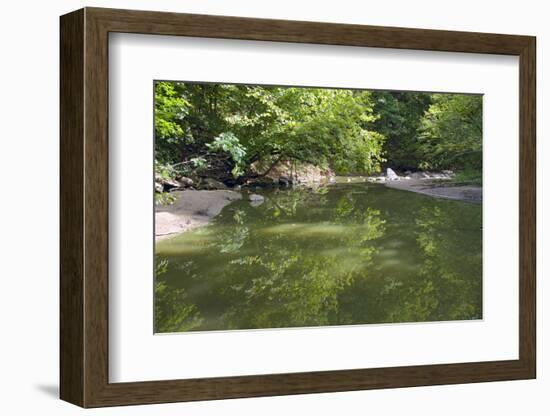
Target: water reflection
x=348, y=254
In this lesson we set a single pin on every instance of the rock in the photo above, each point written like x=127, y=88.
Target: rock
x=211, y=184
x=237, y=188
x=419, y=175
x=391, y=175
x=256, y=200
x=191, y=209
x=167, y=184
x=158, y=187
x=185, y=182
x=256, y=197
x=287, y=172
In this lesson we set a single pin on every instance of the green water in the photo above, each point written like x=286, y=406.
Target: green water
x=345, y=254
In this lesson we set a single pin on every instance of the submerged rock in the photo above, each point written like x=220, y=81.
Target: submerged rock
x=256, y=197
x=256, y=200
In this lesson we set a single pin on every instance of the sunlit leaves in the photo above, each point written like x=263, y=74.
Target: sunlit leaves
x=229, y=143
x=451, y=132
x=323, y=127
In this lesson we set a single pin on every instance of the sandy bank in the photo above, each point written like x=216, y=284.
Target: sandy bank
x=192, y=209
x=439, y=189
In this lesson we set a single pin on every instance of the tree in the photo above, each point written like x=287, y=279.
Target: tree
x=170, y=110
x=219, y=129
x=400, y=115
x=451, y=132
x=222, y=130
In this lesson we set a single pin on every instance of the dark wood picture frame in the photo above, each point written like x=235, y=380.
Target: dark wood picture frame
x=84, y=207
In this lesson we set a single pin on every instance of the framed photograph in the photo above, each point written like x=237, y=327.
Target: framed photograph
x=255, y=207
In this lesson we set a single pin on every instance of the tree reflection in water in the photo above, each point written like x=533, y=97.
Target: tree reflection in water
x=347, y=254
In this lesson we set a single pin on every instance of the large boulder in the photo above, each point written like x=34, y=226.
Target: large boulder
x=185, y=182
x=287, y=172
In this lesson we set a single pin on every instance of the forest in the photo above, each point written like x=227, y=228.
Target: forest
x=226, y=131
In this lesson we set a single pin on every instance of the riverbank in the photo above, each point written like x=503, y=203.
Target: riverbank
x=439, y=189
x=195, y=208
x=191, y=209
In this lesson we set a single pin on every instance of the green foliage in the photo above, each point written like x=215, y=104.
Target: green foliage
x=228, y=143
x=337, y=132
x=216, y=129
x=170, y=109
x=164, y=172
x=400, y=116
x=220, y=130
x=451, y=132
x=164, y=198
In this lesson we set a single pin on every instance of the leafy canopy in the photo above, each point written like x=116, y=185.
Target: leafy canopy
x=221, y=130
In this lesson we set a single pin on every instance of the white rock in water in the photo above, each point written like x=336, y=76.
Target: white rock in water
x=256, y=198
x=391, y=175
